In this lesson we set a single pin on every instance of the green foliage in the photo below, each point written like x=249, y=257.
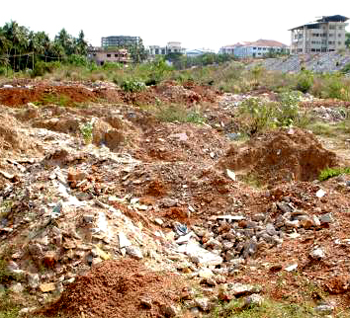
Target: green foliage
x=288, y=110
x=86, y=132
x=179, y=113
x=256, y=115
x=328, y=173
x=133, y=86
x=346, y=69
x=158, y=71
x=8, y=308
x=305, y=81
x=41, y=68
x=78, y=60
x=112, y=66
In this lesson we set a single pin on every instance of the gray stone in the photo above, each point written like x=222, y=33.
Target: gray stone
x=134, y=252
x=238, y=289
x=202, y=303
x=258, y=217
x=17, y=288
x=253, y=300
x=317, y=254
x=146, y=303
x=250, y=248
x=326, y=218
x=324, y=309
x=270, y=229
x=169, y=311
x=33, y=280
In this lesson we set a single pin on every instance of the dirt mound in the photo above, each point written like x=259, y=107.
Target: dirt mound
x=10, y=136
x=281, y=155
x=45, y=94
x=118, y=289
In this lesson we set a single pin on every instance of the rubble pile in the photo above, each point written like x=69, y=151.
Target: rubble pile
x=325, y=62
x=154, y=219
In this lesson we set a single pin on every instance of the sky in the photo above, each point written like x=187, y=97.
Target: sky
x=194, y=23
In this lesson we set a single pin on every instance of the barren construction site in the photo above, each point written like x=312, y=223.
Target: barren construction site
x=222, y=193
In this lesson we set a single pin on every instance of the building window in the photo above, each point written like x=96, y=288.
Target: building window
x=339, y=43
x=94, y=54
x=115, y=55
x=108, y=55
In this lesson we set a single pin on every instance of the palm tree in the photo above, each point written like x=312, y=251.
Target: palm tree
x=18, y=36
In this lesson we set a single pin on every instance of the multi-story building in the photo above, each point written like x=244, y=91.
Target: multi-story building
x=171, y=47
x=255, y=49
x=327, y=34
x=227, y=49
x=120, y=41
x=101, y=55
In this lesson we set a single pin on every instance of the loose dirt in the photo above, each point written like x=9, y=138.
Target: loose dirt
x=119, y=289
x=281, y=155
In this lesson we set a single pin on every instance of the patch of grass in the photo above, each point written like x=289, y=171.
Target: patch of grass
x=8, y=308
x=269, y=309
x=328, y=173
x=322, y=129
x=179, y=113
x=252, y=180
x=60, y=100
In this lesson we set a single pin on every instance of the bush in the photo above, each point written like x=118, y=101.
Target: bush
x=328, y=173
x=78, y=60
x=179, y=113
x=132, y=86
x=41, y=68
x=304, y=81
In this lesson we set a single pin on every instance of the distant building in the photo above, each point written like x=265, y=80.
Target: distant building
x=228, y=49
x=325, y=35
x=120, y=41
x=101, y=55
x=198, y=52
x=171, y=47
x=255, y=49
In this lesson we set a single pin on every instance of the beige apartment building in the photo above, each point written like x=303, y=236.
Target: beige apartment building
x=325, y=35
x=101, y=56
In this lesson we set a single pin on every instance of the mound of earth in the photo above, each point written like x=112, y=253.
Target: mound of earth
x=124, y=289
x=10, y=136
x=281, y=155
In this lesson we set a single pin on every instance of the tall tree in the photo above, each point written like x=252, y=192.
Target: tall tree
x=347, y=41
x=81, y=44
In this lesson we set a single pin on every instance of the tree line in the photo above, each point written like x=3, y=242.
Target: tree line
x=21, y=48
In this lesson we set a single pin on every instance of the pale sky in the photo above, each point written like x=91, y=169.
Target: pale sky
x=195, y=23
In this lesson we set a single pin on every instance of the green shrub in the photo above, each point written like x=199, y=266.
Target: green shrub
x=328, y=173
x=288, y=109
x=41, y=68
x=86, y=131
x=78, y=60
x=132, y=86
x=179, y=113
x=256, y=115
x=304, y=81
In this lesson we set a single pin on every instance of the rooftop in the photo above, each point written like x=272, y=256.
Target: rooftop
x=324, y=19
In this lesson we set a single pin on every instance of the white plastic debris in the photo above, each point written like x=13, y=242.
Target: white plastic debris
x=231, y=174
x=320, y=193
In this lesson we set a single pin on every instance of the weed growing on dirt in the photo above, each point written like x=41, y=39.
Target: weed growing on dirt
x=269, y=309
x=86, y=131
x=328, y=173
x=178, y=113
x=133, y=86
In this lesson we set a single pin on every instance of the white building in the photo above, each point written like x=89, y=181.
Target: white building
x=171, y=47
x=198, y=52
x=256, y=49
